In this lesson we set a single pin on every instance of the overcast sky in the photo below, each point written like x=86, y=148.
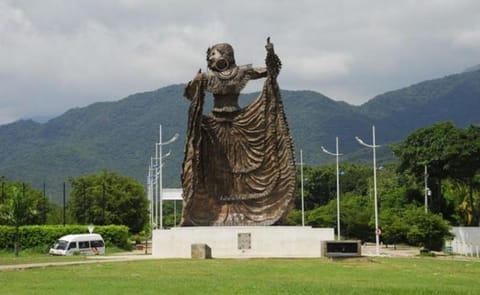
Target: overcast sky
x=60, y=54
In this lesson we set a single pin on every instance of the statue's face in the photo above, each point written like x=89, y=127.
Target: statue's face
x=216, y=61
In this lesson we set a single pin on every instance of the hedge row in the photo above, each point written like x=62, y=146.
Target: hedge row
x=43, y=236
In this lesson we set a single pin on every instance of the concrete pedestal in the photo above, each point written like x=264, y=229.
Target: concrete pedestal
x=242, y=241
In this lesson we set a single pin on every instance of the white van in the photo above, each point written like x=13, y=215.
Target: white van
x=86, y=244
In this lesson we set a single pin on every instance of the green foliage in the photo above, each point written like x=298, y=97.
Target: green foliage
x=356, y=213
x=294, y=217
x=172, y=213
x=356, y=217
x=426, y=229
x=449, y=153
x=43, y=236
x=323, y=216
x=465, y=199
x=108, y=198
x=401, y=192
x=56, y=214
x=415, y=227
x=18, y=208
x=400, y=201
x=20, y=204
x=394, y=228
x=320, y=183
x=427, y=146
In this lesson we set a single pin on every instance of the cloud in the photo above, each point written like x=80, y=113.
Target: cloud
x=322, y=66
x=51, y=70
x=55, y=55
x=468, y=39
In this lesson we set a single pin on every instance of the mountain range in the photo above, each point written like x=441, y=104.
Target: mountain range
x=120, y=136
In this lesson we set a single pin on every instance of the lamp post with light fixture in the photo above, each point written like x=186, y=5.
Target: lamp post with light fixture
x=336, y=154
x=373, y=146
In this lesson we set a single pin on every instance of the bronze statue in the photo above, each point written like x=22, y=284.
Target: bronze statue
x=239, y=166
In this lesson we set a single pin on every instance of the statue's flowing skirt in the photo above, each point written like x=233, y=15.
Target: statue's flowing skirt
x=239, y=169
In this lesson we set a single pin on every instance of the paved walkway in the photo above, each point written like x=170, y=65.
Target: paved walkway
x=131, y=256
x=401, y=251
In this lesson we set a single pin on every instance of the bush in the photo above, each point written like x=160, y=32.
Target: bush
x=43, y=236
x=426, y=229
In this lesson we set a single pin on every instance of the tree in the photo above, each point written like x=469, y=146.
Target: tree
x=109, y=198
x=429, y=147
x=357, y=217
x=320, y=183
x=394, y=229
x=465, y=168
x=17, y=210
x=39, y=205
x=466, y=199
x=323, y=216
x=354, y=178
x=449, y=153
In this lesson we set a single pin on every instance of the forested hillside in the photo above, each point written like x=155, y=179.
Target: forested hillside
x=120, y=136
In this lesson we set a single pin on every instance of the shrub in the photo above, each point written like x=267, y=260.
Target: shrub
x=43, y=236
x=426, y=229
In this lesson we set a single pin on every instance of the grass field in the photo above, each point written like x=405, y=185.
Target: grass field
x=251, y=276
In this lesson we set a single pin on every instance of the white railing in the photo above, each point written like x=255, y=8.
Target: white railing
x=467, y=249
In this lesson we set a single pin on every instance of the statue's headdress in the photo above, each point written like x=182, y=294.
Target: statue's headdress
x=226, y=50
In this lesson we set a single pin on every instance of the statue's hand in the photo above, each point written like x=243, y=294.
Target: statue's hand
x=269, y=45
x=192, y=86
x=198, y=76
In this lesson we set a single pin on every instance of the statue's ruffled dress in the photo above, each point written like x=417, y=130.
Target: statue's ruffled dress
x=239, y=166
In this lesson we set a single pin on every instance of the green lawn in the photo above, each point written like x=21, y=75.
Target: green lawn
x=251, y=276
x=7, y=258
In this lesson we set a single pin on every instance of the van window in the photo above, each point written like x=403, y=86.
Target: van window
x=60, y=245
x=72, y=245
x=83, y=245
x=97, y=244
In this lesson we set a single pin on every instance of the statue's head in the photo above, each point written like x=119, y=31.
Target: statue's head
x=220, y=57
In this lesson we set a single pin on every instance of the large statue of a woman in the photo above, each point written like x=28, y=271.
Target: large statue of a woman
x=239, y=166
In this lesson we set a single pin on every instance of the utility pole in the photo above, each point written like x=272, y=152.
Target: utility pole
x=426, y=189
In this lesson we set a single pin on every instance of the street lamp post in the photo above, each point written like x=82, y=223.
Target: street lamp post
x=160, y=187
x=336, y=154
x=373, y=146
x=151, y=190
x=301, y=184
x=159, y=156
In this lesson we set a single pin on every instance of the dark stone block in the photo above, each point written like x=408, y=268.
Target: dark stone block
x=342, y=248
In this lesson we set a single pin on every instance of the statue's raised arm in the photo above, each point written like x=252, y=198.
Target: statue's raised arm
x=272, y=60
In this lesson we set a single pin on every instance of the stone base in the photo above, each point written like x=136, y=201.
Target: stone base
x=201, y=251
x=241, y=241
